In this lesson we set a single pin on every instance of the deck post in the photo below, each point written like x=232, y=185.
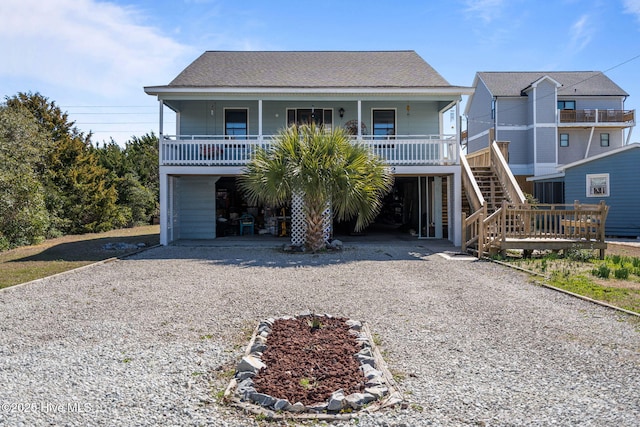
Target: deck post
x=601, y=232
x=481, y=232
x=463, y=245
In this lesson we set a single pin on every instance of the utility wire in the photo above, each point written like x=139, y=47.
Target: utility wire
x=479, y=118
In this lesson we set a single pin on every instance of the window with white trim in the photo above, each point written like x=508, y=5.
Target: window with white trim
x=564, y=140
x=236, y=122
x=384, y=123
x=306, y=116
x=566, y=105
x=598, y=185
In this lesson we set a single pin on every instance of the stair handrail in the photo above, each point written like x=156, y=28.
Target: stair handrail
x=473, y=230
x=503, y=171
x=480, y=158
x=476, y=199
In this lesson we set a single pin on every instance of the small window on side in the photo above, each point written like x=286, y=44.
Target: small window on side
x=604, y=140
x=564, y=140
x=598, y=185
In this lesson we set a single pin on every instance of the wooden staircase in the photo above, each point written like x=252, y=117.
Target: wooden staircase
x=497, y=217
x=491, y=188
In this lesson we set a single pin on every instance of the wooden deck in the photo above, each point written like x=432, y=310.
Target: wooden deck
x=536, y=227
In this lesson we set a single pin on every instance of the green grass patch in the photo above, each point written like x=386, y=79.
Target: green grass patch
x=629, y=299
x=65, y=253
x=614, y=280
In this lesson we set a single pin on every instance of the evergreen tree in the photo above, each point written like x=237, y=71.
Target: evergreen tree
x=78, y=195
x=23, y=215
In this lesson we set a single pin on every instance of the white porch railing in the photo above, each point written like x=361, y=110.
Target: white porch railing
x=219, y=150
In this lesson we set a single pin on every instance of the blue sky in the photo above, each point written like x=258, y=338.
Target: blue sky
x=94, y=57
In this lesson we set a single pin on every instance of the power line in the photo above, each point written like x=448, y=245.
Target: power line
x=479, y=118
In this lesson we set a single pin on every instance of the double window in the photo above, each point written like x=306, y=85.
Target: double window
x=306, y=116
x=566, y=105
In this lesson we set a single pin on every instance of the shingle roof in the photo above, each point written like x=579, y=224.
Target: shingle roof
x=311, y=69
x=576, y=83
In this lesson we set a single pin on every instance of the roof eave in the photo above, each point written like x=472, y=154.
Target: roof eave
x=449, y=90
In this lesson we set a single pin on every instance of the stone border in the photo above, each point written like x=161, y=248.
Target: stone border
x=381, y=390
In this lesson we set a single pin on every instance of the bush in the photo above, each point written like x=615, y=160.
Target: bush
x=602, y=271
x=621, y=273
x=581, y=255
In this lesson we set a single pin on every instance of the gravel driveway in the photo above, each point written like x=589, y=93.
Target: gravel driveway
x=149, y=340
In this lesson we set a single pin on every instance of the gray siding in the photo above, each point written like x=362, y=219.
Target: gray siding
x=197, y=207
x=616, y=140
x=479, y=118
x=545, y=102
x=545, y=145
x=624, y=182
x=578, y=139
x=512, y=112
x=614, y=103
x=517, y=145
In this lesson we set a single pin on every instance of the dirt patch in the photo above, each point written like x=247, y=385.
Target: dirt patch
x=307, y=364
x=623, y=249
x=616, y=283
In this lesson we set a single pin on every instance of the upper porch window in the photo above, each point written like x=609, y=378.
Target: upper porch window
x=236, y=122
x=384, y=122
x=306, y=116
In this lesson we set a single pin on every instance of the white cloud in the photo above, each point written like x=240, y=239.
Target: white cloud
x=632, y=7
x=486, y=10
x=581, y=33
x=84, y=45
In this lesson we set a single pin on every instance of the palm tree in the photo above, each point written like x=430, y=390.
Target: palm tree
x=323, y=168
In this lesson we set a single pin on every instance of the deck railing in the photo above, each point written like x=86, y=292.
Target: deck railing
x=538, y=226
x=597, y=116
x=220, y=150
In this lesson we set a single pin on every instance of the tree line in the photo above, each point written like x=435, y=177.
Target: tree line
x=54, y=181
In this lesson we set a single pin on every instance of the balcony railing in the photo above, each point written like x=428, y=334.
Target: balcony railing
x=218, y=150
x=596, y=116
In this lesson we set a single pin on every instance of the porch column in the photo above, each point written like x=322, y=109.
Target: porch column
x=437, y=206
x=259, y=119
x=359, y=119
x=455, y=214
x=161, y=117
x=160, y=131
x=456, y=151
x=164, y=208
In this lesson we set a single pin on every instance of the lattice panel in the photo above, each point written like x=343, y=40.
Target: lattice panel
x=327, y=229
x=298, y=225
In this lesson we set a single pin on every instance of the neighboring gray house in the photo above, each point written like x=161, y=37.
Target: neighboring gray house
x=612, y=177
x=227, y=103
x=550, y=119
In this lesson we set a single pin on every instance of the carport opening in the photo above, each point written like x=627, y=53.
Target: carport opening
x=415, y=207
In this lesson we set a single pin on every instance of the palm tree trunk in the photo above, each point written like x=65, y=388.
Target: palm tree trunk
x=315, y=225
